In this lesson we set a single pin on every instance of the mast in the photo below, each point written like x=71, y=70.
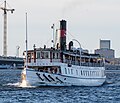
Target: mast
x=26, y=41
x=23, y=73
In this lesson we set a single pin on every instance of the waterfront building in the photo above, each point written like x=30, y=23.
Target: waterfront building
x=105, y=49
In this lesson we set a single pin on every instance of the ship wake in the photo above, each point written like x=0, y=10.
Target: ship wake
x=21, y=84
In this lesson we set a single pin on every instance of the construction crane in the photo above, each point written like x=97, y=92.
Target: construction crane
x=5, y=27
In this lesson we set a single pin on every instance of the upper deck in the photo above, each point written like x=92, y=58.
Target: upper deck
x=70, y=57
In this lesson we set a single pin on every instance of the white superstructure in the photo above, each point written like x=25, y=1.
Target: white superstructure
x=64, y=67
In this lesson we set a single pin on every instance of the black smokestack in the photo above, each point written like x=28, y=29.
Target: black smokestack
x=63, y=35
x=63, y=25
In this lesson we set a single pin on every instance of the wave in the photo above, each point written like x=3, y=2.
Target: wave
x=21, y=84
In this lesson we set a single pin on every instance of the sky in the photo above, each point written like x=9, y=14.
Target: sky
x=88, y=21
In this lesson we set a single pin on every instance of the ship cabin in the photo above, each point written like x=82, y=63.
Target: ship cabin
x=47, y=56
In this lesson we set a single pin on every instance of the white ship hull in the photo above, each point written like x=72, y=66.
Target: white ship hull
x=36, y=78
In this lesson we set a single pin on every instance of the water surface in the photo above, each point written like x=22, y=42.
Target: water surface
x=10, y=92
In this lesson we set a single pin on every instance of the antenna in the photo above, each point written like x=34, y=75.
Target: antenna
x=5, y=27
x=17, y=51
x=53, y=41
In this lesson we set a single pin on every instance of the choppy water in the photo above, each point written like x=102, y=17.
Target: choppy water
x=10, y=92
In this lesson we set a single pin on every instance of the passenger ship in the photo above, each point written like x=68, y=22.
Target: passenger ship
x=62, y=66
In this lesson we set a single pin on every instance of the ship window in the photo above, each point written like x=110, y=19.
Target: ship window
x=76, y=72
x=57, y=55
x=53, y=55
x=46, y=55
x=90, y=73
x=65, y=71
x=59, y=70
x=103, y=73
x=68, y=71
x=93, y=73
x=84, y=73
x=87, y=73
x=98, y=73
x=71, y=71
x=32, y=55
x=38, y=55
x=42, y=55
x=81, y=73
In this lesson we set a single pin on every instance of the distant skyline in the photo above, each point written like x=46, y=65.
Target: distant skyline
x=88, y=21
